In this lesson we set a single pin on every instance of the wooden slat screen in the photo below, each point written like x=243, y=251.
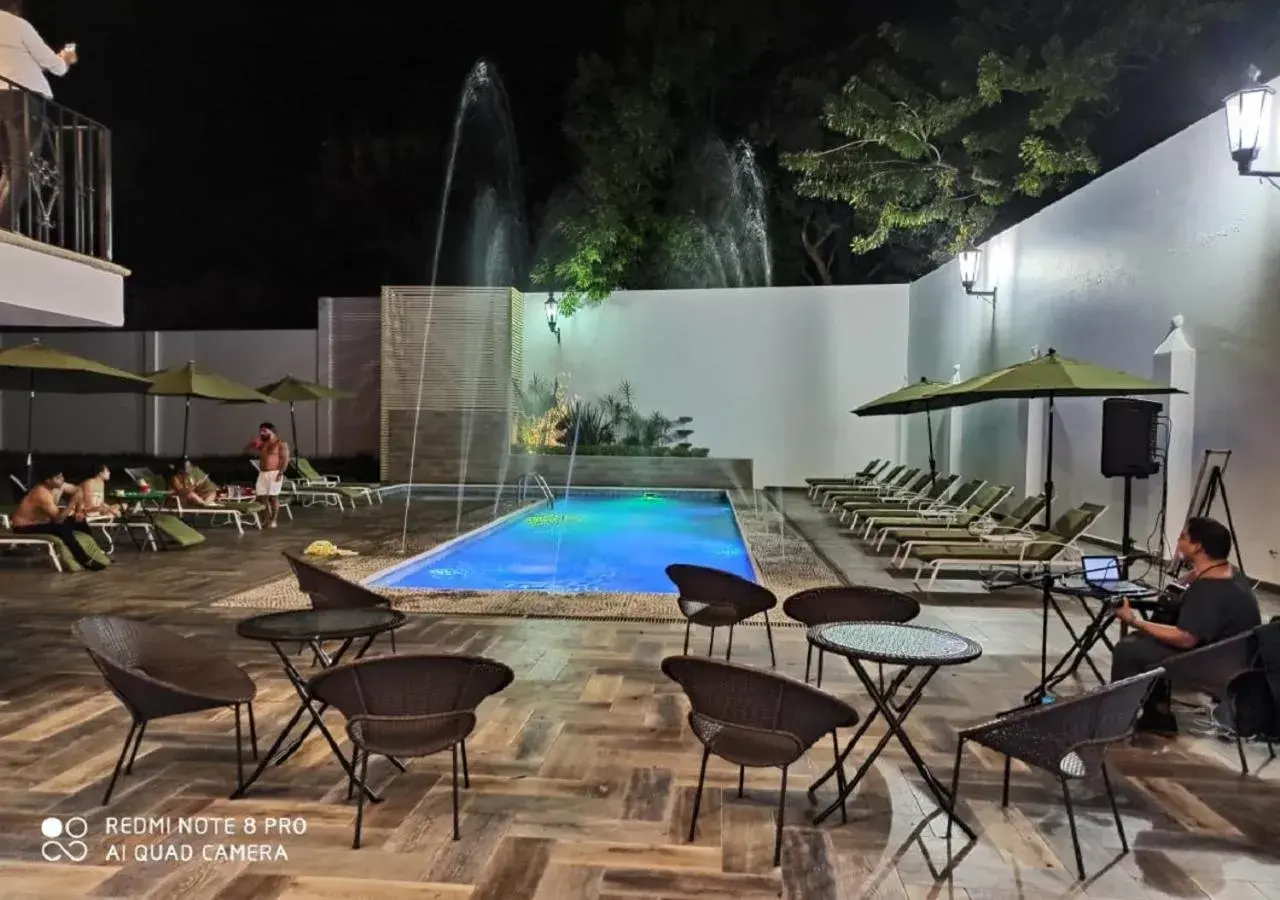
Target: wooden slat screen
x=465, y=346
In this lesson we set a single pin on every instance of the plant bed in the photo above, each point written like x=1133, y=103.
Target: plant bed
x=560, y=469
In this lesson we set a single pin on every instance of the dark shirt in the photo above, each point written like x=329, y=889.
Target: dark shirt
x=1214, y=609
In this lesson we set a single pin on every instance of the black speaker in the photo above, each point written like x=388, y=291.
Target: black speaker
x=1129, y=438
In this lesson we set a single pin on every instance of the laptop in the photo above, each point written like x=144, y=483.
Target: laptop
x=1103, y=574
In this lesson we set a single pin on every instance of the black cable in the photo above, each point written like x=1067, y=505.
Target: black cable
x=1161, y=455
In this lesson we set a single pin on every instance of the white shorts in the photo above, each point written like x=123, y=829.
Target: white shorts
x=268, y=485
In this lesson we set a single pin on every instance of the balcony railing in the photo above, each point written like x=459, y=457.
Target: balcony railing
x=55, y=173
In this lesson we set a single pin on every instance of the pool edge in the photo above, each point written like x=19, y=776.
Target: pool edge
x=474, y=533
x=511, y=517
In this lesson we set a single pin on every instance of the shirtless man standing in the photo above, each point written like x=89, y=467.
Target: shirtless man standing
x=273, y=461
x=38, y=514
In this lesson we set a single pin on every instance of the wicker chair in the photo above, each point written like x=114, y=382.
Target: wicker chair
x=410, y=706
x=715, y=599
x=846, y=603
x=1068, y=739
x=1214, y=670
x=329, y=591
x=753, y=718
x=157, y=673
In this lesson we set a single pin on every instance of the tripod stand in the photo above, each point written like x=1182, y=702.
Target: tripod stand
x=1210, y=485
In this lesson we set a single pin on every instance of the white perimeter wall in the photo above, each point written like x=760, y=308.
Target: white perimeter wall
x=1098, y=276
x=118, y=423
x=768, y=374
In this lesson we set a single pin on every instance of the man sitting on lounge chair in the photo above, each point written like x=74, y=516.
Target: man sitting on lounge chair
x=1215, y=603
x=38, y=514
x=190, y=489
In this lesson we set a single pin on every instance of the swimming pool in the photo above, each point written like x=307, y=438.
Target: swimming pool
x=606, y=543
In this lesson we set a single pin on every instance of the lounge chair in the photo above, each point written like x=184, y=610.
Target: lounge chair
x=869, y=472
x=58, y=552
x=308, y=477
x=948, y=518
x=941, y=508
x=309, y=496
x=1014, y=526
x=1053, y=549
x=915, y=486
x=932, y=495
x=252, y=509
x=895, y=484
x=887, y=480
x=232, y=514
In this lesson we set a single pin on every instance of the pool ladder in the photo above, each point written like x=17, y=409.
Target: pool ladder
x=537, y=480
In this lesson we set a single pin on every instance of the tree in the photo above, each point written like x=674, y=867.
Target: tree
x=946, y=123
x=688, y=71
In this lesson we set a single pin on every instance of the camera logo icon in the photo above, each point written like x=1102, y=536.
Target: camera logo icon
x=63, y=839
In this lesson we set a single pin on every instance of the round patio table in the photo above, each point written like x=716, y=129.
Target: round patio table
x=314, y=627
x=890, y=643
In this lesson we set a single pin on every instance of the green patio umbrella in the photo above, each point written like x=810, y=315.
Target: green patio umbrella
x=190, y=381
x=913, y=398
x=35, y=368
x=1050, y=376
x=294, y=390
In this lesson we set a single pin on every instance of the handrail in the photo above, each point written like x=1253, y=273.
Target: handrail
x=55, y=186
x=533, y=477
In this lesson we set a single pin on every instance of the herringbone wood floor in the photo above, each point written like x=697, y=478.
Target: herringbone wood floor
x=582, y=771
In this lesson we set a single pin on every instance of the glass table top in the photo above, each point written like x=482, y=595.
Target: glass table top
x=320, y=624
x=892, y=642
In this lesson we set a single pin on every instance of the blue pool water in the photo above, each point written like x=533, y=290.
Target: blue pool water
x=588, y=544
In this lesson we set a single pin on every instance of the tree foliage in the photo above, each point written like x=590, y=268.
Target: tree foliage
x=631, y=121
x=945, y=123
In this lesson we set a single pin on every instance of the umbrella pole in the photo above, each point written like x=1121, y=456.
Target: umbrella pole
x=933, y=465
x=1048, y=467
x=186, y=422
x=293, y=426
x=31, y=435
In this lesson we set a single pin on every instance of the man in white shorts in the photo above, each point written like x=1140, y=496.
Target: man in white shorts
x=273, y=461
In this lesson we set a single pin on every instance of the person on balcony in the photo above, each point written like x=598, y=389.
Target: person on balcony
x=24, y=60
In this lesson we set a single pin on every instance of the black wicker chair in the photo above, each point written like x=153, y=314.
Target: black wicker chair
x=157, y=673
x=329, y=591
x=846, y=603
x=717, y=599
x=1067, y=739
x=1216, y=670
x=753, y=718
x=410, y=706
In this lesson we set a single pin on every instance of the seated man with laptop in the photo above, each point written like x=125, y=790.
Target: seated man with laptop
x=1212, y=603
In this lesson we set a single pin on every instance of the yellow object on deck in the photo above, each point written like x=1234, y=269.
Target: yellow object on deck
x=326, y=549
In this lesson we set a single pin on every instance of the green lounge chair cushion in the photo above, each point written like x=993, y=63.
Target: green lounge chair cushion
x=177, y=530
x=906, y=522
x=1035, y=551
x=958, y=534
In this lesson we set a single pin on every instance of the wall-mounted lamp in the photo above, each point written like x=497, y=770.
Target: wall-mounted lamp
x=552, y=308
x=1248, y=122
x=970, y=261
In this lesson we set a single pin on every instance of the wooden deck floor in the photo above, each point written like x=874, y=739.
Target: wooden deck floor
x=582, y=772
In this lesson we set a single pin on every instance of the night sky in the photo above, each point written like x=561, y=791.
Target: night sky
x=227, y=207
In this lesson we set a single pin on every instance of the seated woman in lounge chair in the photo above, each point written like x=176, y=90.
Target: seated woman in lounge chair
x=38, y=514
x=190, y=489
x=91, y=497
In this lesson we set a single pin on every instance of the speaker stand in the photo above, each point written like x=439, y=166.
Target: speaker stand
x=1126, y=535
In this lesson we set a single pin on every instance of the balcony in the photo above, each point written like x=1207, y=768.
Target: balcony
x=56, y=267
